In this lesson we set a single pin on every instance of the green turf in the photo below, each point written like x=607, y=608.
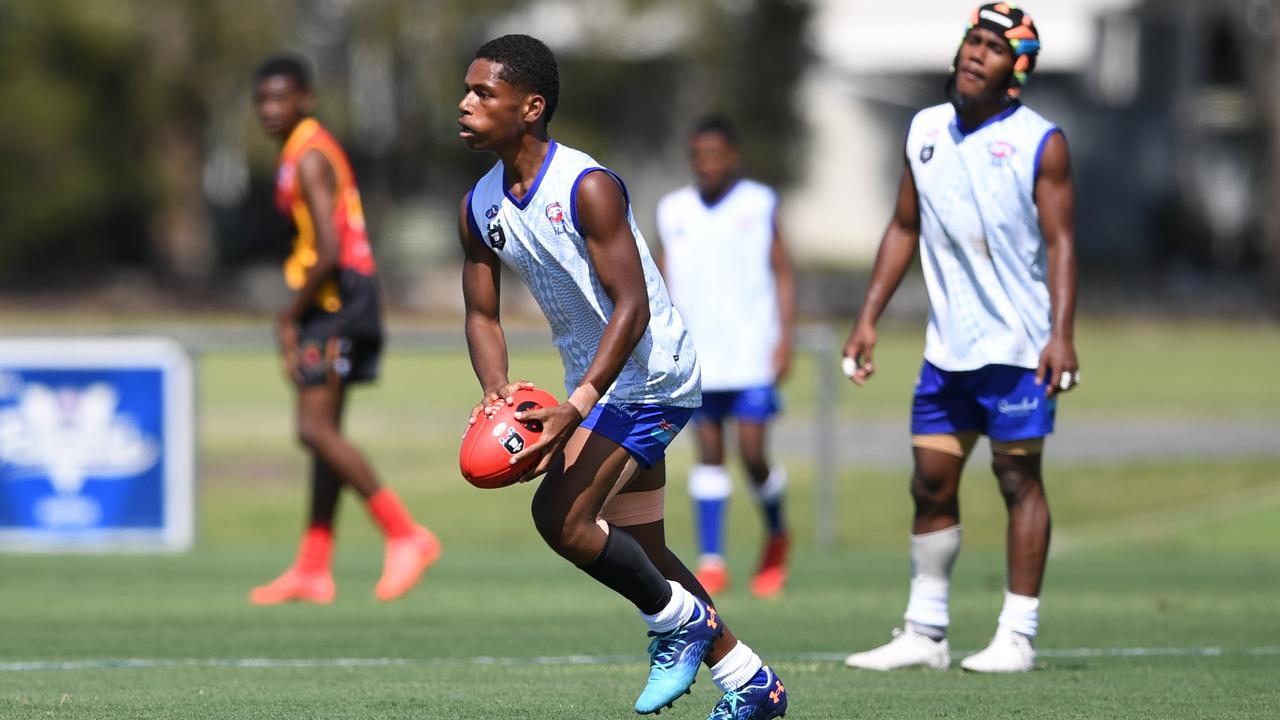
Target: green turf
x=1150, y=554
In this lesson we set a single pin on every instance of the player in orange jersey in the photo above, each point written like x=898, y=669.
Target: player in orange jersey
x=330, y=336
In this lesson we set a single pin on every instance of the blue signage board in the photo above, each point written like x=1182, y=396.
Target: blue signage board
x=96, y=445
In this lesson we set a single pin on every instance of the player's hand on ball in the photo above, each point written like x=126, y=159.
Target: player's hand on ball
x=558, y=424
x=858, y=351
x=495, y=397
x=1059, y=370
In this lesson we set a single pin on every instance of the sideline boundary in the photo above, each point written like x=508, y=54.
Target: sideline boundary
x=569, y=660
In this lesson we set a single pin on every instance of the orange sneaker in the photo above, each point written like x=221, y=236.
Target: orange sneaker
x=405, y=561
x=294, y=585
x=772, y=575
x=713, y=576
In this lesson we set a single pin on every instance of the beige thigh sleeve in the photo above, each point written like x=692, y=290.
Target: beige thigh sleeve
x=958, y=444
x=634, y=508
x=1033, y=446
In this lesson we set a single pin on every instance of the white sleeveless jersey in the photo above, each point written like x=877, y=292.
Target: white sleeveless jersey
x=981, y=246
x=539, y=237
x=718, y=265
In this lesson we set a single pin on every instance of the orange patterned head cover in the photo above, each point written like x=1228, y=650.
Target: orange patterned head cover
x=1014, y=25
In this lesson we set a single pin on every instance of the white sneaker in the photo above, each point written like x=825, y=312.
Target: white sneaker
x=1008, y=652
x=908, y=649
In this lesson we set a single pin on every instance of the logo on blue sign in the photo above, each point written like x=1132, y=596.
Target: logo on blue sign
x=81, y=449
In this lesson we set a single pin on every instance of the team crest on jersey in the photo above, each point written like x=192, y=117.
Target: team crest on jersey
x=926, y=152
x=496, y=235
x=1000, y=151
x=555, y=216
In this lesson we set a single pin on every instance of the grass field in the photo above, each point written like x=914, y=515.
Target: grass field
x=1160, y=600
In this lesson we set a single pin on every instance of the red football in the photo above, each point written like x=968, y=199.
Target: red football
x=485, y=457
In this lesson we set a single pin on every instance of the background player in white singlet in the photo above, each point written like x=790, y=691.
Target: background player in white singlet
x=987, y=195
x=564, y=224
x=726, y=266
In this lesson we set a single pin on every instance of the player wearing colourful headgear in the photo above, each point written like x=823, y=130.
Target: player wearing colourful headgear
x=1018, y=30
x=986, y=195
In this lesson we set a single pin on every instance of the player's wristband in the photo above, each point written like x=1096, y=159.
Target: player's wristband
x=584, y=398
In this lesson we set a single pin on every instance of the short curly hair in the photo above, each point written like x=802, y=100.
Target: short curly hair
x=527, y=63
x=291, y=66
x=719, y=125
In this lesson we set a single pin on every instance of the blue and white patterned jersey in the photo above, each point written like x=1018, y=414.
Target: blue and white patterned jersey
x=718, y=262
x=981, y=246
x=539, y=237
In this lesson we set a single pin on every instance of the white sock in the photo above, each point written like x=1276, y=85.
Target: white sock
x=1021, y=614
x=773, y=485
x=933, y=555
x=676, y=613
x=735, y=669
x=927, y=608
x=710, y=482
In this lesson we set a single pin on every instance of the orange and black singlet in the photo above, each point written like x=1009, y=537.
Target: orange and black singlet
x=347, y=303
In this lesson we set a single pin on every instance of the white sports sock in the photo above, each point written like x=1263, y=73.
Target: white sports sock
x=773, y=485
x=927, y=608
x=933, y=555
x=1020, y=614
x=709, y=482
x=735, y=669
x=676, y=613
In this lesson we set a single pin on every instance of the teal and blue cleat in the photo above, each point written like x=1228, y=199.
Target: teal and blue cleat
x=762, y=698
x=674, y=658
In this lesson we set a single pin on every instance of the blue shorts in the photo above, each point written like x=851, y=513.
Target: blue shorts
x=1000, y=401
x=753, y=404
x=644, y=430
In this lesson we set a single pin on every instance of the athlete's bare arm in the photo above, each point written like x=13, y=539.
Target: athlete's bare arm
x=319, y=190
x=602, y=213
x=481, y=285
x=1056, y=200
x=616, y=260
x=784, y=284
x=897, y=249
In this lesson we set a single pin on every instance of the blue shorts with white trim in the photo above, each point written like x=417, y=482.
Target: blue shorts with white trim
x=644, y=430
x=753, y=404
x=1000, y=401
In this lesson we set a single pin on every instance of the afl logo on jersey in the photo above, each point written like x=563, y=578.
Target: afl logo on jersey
x=1000, y=151
x=555, y=216
x=492, y=212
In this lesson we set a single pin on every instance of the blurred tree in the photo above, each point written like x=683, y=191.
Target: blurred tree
x=748, y=62
x=103, y=134
x=128, y=137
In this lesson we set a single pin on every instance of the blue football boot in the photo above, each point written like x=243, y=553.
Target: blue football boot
x=674, y=658
x=762, y=698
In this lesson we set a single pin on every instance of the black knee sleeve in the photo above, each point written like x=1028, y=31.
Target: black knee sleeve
x=623, y=567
